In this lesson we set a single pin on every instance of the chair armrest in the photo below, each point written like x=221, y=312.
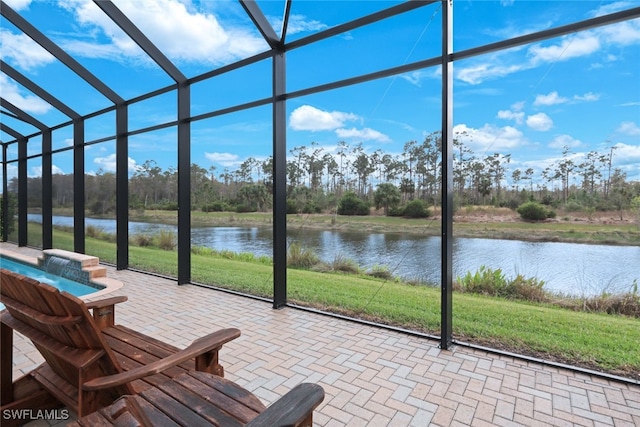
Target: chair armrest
x=292, y=409
x=106, y=302
x=104, y=311
x=208, y=343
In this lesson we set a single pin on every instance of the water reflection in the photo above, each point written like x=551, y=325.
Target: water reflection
x=569, y=268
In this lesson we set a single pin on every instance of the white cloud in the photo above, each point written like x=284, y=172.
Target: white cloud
x=629, y=128
x=36, y=172
x=12, y=171
x=478, y=73
x=507, y=2
x=550, y=99
x=489, y=137
x=21, y=51
x=572, y=46
x=297, y=24
x=313, y=119
x=607, y=39
x=623, y=33
x=518, y=116
x=366, y=134
x=180, y=33
x=589, y=96
x=518, y=106
x=28, y=103
x=627, y=157
x=416, y=77
x=509, y=30
x=562, y=141
x=225, y=159
x=108, y=163
x=627, y=153
x=611, y=8
x=18, y=4
x=540, y=122
x=90, y=49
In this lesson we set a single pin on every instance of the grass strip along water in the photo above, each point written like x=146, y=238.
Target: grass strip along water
x=603, y=342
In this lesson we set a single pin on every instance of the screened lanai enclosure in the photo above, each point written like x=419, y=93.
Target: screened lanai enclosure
x=123, y=108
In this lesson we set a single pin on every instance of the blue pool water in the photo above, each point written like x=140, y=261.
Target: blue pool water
x=74, y=288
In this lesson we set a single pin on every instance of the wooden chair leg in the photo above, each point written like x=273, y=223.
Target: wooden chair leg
x=6, y=364
x=208, y=362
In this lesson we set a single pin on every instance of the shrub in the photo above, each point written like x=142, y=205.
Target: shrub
x=396, y=211
x=141, y=240
x=511, y=204
x=292, y=207
x=381, y=272
x=11, y=214
x=93, y=231
x=626, y=304
x=533, y=211
x=168, y=206
x=298, y=257
x=243, y=207
x=489, y=282
x=416, y=209
x=547, y=199
x=484, y=281
x=351, y=204
x=573, y=206
x=344, y=264
x=215, y=207
x=166, y=240
x=310, y=208
x=521, y=288
x=203, y=250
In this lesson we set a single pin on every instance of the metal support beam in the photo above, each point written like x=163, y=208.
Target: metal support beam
x=37, y=90
x=122, y=21
x=11, y=131
x=122, y=187
x=599, y=21
x=47, y=191
x=279, y=181
x=261, y=23
x=22, y=115
x=37, y=36
x=360, y=22
x=5, y=181
x=446, y=251
x=5, y=194
x=184, y=184
x=285, y=21
x=78, y=187
x=22, y=192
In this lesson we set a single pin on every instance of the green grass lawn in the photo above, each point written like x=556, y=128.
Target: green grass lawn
x=597, y=341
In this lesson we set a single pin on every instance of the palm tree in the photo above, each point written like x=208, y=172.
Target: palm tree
x=387, y=196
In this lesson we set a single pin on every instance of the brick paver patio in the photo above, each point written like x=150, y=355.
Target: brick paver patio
x=371, y=376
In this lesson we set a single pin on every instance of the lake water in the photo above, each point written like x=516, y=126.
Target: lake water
x=570, y=268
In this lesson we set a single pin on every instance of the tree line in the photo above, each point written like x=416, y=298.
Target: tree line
x=318, y=179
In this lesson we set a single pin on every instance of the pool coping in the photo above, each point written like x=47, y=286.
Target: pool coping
x=108, y=285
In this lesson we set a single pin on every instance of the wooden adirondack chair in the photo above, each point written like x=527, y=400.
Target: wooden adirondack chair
x=205, y=400
x=79, y=347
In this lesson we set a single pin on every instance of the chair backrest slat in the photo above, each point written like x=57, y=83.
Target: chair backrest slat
x=62, y=317
x=41, y=318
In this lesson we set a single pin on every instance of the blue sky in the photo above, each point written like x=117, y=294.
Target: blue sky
x=581, y=91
